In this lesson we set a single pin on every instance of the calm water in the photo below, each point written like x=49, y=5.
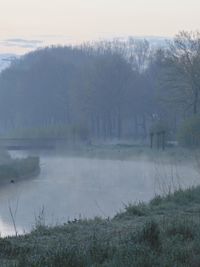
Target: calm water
x=68, y=188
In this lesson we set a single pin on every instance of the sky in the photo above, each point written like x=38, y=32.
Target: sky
x=28, y=24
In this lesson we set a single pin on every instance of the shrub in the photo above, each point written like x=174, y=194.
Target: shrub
x=19, y=168
x=159, y=126
x=136, y=210
x=189, y=132
x=183, y=228
x=150, y=234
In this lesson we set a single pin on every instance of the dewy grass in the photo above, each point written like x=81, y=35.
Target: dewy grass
x=139, y=236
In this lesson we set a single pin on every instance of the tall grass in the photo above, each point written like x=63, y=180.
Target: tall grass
x=143, y=238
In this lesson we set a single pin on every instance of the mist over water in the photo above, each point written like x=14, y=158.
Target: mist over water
x=70, y=187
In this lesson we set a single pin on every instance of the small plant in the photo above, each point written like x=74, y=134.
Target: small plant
x=156, y=201
x=189, y=132
x=40, y=224
x=182, y=228
x=99, y=250
x=136, y=210
x=150, y=234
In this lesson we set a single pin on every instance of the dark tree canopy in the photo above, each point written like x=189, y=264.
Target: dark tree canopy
x=106, y=90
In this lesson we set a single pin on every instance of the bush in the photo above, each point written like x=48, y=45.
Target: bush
x=150, y=234
x=136, y=210
x=159, y=126
x=19, y=168
x=189, y=132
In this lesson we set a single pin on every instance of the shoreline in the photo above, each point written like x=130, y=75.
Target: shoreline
x=17, y=170
x=164, y=232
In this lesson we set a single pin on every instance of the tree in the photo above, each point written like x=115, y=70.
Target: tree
x=183, y=69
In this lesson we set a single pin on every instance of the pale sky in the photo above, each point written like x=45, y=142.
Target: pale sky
x=75, y=21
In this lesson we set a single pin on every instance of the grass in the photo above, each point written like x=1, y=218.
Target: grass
x=163, y=233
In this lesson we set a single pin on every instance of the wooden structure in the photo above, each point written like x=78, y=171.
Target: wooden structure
x=160, y=139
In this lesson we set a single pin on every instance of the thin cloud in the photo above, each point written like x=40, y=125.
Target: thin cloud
x=23, y=43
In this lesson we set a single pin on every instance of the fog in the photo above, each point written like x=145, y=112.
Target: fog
x=74, y=187
x=129, y=93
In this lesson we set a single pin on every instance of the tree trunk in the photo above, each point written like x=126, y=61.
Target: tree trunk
x=196, y=96
x=119, y=124
x=144, y=126
x=136, y=126
x=104, y=129
x=98, y=126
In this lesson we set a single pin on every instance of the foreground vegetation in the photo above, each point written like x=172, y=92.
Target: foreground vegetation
x=165, y=232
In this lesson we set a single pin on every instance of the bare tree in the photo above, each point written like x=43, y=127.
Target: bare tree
x=183, y=59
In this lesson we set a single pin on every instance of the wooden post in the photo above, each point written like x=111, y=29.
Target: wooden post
x=151, y=137
x=158, y=140
x=163, y=140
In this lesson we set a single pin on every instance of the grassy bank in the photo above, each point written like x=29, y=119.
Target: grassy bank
x=133, y=152
x=16, y=169
x=164, y=233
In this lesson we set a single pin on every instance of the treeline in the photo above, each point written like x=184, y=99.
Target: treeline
x=104, y=90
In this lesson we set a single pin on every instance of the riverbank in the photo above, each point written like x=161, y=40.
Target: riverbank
x=130, y=152
x=14, y=170
x=165, y=232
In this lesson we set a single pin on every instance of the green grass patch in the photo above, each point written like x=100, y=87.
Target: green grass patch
x=138, y=236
